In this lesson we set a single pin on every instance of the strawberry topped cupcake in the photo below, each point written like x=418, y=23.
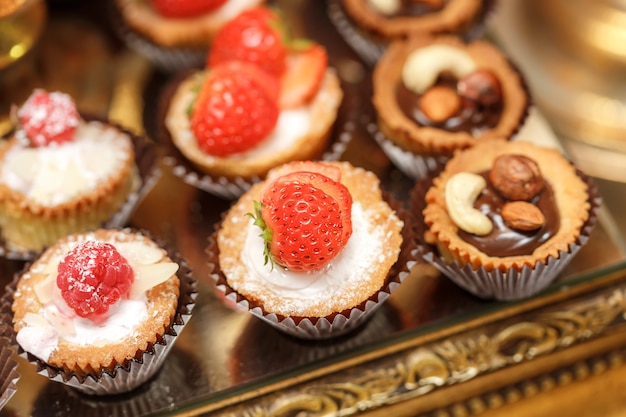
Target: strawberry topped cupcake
x=262, y=100
x=175, y=34
x=313, y=250
x=61, y=174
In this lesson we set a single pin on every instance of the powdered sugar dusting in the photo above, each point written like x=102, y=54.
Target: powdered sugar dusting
x=299, y=291
x=55, y=174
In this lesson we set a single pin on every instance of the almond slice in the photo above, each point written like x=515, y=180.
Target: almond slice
x=35, y=320
x=138, y=253
x=44, y=289
x=148, y=276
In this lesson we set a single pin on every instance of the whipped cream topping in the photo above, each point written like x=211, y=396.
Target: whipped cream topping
x=55, y=174
x=301, y=289
x=56, y=321
x=292, y=125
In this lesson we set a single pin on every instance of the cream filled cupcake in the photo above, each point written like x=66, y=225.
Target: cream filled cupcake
x=323, y=252
x=99, y=311
x=61, y=174
x=285, y=103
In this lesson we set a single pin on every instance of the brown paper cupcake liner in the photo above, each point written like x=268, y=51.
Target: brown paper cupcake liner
x=336, y=324
x=371, y=46
x=166, y=59
x=233, y=188
x=120, y=377
x=8, y=365
x=496, y=284
x=147, y=156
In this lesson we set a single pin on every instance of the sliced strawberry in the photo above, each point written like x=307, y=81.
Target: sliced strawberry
x=263, y=79
x=185, y=8
x=232, y=112
x=254, y=37
x=331, y=171
x=303, y=75
x=307, y=220
x=48, y=118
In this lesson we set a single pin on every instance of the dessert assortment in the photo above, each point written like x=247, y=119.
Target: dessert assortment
x=308, y=246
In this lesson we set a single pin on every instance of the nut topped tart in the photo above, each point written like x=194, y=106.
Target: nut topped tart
x=310, y=250
x=391, y=19
x=507, y=208
x=95, y=302
x=60, y=174
x=254, y=106
x=434, y=95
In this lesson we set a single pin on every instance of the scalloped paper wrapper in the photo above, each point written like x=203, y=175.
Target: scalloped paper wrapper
x=411, y=164
x=146, y=160
x=336, y=324
x=233, y=188
x=370, y=46
x=8, y=370
x=507, y=285
x=120, y=378
x=167, y=59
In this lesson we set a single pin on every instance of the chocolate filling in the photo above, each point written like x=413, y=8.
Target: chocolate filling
x=416, y=8
x=472, y=117
x=504, y=241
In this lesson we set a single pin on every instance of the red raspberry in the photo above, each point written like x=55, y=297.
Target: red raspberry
x=233, y=111
x=254, y=36
x=48, y=118
x=185, y=8
x=92, y=277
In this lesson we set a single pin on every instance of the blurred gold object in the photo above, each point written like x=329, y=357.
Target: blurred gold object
x=21, y=23
x=573, y=53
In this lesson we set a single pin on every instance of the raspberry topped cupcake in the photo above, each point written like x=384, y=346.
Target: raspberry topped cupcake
x=98, y=310
x=175, y=34
x=313, y=250
x=60, y=174
x=254, y=106
x=435, y=95
x=506, y=217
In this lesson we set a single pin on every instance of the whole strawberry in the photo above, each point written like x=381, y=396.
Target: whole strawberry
x=48, y=118
x=306, y=220
x=92, y=277
x=185, y=8
x=233, y=111
x=254, y=36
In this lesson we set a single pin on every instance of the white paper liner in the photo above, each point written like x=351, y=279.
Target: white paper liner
x=411, y=164
x=148, y=172
x=139, y=369
x=334, y=325
x=512, y=284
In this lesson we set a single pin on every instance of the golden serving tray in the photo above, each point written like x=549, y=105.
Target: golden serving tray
x=432, y=348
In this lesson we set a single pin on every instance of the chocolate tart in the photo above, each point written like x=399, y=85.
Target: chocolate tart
x=508, y=262
x=466, y=93
x=369, y=29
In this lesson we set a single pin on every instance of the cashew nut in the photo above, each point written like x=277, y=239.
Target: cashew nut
x=423, y=66
x=461, y=192
x=387, y=7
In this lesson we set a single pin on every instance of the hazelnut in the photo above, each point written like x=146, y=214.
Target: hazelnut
x=440, y=103
x=516, y=177
x=522, y=215
x=482, y=87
